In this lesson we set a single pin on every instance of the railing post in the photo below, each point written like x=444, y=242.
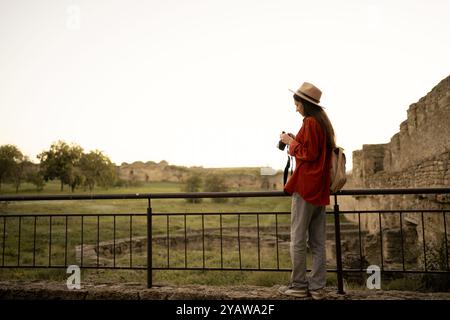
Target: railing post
x=337, y=233
x=149, y=244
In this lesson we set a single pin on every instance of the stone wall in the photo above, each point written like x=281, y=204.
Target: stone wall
x=417, y=156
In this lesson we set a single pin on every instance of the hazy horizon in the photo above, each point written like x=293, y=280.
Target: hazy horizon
x=205, y=83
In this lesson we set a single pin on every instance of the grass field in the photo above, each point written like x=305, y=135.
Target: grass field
x=177, y=254
x=55, y=253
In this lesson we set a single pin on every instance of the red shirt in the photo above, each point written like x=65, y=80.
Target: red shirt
x=311, y=177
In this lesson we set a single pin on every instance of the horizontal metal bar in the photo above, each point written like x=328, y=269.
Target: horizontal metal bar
x=221, y=269
x=393, y=211
x=220, y=213
x=215, y=269
x=94, y=215
x=357, y=192
x=145, y=268
x=65, y=267
x=285, y=269
x=399, y=271
x=155, y=268
x=163, y=214
x=190, y=195
x=287, y=212
x=175, y=195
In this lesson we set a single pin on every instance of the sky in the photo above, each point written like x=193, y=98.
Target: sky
x=205, y=82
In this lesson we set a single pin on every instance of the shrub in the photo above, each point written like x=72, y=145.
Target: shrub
x=216, y=183
x=193, y=184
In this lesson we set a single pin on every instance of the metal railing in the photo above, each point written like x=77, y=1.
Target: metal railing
x=16, y=227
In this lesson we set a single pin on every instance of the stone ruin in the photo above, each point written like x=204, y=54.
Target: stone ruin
x=417, y=156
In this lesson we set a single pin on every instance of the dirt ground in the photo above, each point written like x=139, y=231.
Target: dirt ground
x=47, y=290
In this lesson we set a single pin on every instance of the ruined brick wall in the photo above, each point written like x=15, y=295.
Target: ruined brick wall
x=417, y=156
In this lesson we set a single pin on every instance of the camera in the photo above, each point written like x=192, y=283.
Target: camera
x=281, y=145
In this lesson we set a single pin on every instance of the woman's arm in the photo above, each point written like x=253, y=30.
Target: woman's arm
x=307, y=146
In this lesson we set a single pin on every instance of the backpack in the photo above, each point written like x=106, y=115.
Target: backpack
x=337, y=170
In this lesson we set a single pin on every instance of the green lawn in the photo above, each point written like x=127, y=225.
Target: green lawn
x=214, y=257
x=228, y=257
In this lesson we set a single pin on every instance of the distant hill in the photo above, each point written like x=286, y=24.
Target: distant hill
x=236, y=178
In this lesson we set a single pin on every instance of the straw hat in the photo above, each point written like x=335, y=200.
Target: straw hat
x=309, y=92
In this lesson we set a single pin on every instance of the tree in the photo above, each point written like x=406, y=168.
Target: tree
x=193, y=184
x=36, y=177
x=216, y=183
x=75, y=177
x=10, y=157
x=109, y=175
x=20, y=172
x=97, y=169
x=59, y=161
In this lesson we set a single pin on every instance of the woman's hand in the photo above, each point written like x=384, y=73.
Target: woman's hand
x=286, y=138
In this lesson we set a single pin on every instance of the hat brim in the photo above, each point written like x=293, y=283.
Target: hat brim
x=305, y=97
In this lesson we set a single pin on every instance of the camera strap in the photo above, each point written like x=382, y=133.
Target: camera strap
x=286, y=170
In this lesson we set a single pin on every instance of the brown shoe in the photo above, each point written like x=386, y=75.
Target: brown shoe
x=293, y=292
x=318, y=294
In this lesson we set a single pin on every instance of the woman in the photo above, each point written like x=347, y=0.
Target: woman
x=310, y=189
